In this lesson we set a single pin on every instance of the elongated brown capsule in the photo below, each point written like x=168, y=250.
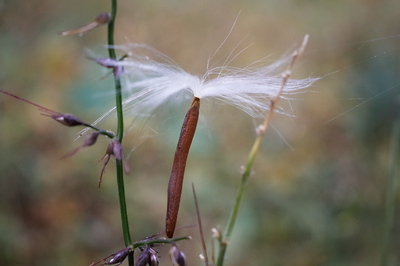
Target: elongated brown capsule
x=178, y=167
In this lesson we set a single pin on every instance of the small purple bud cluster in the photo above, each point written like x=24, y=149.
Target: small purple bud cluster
x=149, y=256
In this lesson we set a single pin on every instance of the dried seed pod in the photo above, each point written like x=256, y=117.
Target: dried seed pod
x=179, y=165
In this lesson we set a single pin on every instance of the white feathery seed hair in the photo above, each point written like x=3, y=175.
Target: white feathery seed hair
x=149, y=83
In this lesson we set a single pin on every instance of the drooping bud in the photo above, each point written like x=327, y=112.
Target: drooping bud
x=101, y=19
x=65, y=119
x=88, y=142
x=145, y=256
x=216, y=233
x=148, y=256
x=91, y=139
x=178, y=258
x=118, y=257
x=119, y=155
x=111, y=63
x=115, y=258
x=106, y=159
x=113, y=149
x=153, y=258
x=68, y=120
x=117, y=150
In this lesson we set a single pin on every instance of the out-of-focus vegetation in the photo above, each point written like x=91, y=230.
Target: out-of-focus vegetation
x=317, y=196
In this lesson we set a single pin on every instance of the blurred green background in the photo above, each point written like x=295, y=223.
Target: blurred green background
x=317, y=195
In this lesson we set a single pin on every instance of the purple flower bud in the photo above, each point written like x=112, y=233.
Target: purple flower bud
x=153, y=258
x=103, y=18
x=118, y=71
x=148, y=256
x=117, y=150
x=115, y=258
x=68, y=120
x=88, y=142
x=119, y=155
x=178, y=258
x=111, y=63
x=113, y=149
x=118, y=257
x=144, y=257
x=91, y=139
x=107, y=62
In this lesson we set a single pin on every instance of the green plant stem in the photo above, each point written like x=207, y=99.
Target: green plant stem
x=112, y=54
x=391, y=193
x=120, y=133
x=239, y=198
x=155, y=242
x=224, y=240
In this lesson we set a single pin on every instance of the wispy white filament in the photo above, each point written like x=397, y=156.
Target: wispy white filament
x=149, y=83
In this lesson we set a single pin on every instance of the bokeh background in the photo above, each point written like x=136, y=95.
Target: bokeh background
x=317, y=195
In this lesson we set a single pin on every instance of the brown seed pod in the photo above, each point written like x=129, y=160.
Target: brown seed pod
x=179, y=165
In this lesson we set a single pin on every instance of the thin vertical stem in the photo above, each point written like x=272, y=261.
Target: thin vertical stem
x=241, y=191
x=120, y=132
x=391, y=193
x=112, y=54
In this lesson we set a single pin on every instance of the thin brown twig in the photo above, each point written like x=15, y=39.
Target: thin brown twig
x=203, y=243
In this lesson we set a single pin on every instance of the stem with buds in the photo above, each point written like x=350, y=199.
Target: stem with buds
x=224, y=239
x=119, y=134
